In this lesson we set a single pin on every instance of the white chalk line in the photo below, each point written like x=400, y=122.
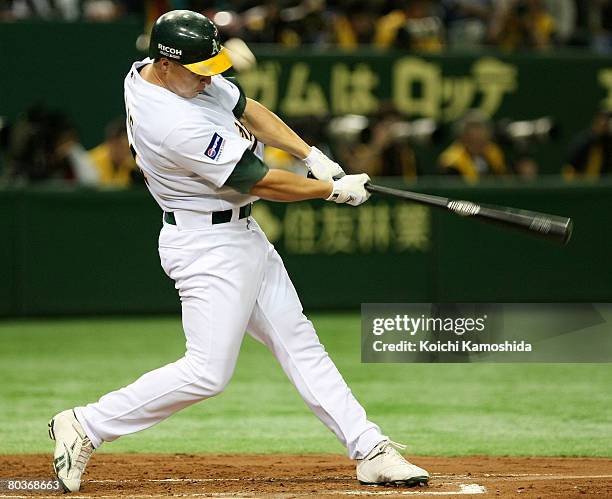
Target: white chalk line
x=535, y=477
x=464, y=489
x=508, y=476
x=539, y=478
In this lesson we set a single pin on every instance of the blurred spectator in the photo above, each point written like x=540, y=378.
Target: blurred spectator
x=382, y=148
x=4, y=134
x=306, y=22
x=526, y=168
x=102, y=10
x=263, y=24
x=68, y=10
x=417, y=25
x=467, y=22
x=564, y=14
x=600, y=25
x=474, y=154
x=354, y=26
x=590, y=154
x=521, y=24
x=113, y=158
x=43, y=145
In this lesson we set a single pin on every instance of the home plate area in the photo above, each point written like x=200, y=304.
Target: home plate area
x=285, y=476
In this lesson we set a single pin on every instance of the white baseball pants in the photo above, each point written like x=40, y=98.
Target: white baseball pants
x=230, y=280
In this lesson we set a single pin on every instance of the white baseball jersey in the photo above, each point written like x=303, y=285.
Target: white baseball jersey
x=187, y=148
x=228, y=275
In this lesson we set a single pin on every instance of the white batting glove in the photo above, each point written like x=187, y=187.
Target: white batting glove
x=350, y=189
x=321, y=167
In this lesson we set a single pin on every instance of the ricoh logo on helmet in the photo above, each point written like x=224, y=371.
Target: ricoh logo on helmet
x=169, y=51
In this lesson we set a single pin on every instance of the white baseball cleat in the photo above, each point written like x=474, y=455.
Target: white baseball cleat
x=72, y=449
x=385, y=466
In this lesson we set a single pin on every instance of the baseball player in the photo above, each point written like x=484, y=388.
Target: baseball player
x=199, y=143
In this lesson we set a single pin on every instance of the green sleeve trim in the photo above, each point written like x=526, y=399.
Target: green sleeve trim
x=241, y=104
x=247, y=172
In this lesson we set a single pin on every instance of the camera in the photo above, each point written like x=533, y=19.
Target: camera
x=523, y=133
x=353, y=128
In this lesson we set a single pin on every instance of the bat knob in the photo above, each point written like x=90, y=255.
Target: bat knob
x=569, y=229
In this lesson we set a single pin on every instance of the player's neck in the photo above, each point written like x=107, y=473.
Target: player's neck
x=149, y=74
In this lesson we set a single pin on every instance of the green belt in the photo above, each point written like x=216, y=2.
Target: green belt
x=218, y=217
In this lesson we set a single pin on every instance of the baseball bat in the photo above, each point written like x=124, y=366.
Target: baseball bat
x=552, y=227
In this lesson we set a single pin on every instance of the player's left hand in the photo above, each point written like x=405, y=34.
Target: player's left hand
x=321, y=167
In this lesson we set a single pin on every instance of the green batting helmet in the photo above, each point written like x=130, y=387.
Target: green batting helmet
x=191, y=39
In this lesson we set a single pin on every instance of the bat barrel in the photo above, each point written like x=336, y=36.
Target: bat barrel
x=550, y=227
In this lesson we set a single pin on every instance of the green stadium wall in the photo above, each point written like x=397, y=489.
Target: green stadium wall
x=80, y=67
x=89, y=252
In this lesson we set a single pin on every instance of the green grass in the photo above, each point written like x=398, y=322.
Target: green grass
x=438, y=409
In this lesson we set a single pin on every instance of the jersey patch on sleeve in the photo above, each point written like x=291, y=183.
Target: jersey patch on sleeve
x=215, y=147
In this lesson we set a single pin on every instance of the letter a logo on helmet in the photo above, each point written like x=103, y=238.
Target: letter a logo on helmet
x=190, y=39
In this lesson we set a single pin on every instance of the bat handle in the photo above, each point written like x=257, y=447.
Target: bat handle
x=336, y=177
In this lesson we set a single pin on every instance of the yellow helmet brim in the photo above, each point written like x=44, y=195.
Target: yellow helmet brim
x=213, y=66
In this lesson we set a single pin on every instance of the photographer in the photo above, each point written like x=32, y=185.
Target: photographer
x=473, y=154
x=44, y=146
x=382, y=149
x=591, y=152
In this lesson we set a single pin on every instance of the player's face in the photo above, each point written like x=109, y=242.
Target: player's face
x=183, y=82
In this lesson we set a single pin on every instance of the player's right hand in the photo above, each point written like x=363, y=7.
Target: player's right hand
x=350, y=189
